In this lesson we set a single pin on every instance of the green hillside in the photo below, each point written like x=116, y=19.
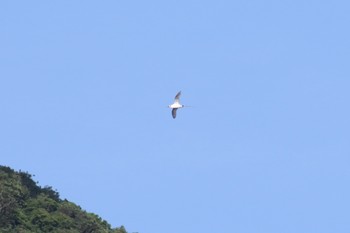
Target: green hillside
x=26, y=207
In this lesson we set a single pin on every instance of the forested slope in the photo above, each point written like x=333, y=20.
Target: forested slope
x=26, y=207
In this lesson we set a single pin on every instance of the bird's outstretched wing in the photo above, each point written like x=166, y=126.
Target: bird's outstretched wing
x=177, y=97
x=173, y=112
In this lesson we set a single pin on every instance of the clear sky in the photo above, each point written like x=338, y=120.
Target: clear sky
x=84, y=87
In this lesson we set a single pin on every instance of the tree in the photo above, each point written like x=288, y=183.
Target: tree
x=26, y=207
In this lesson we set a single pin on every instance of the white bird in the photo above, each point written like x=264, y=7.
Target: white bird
x=176, y=105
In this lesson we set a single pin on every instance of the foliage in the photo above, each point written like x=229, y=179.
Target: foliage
x=25, y=207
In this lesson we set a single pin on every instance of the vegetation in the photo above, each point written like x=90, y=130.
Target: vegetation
x=26, y=207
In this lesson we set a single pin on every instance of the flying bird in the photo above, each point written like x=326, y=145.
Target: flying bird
x=176, y=105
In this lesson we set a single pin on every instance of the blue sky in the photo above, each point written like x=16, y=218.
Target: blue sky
x=84, y=87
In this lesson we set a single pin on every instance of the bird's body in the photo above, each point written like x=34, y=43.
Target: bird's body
x=176, y=105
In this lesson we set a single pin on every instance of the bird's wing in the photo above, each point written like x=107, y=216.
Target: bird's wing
x=177, y=97
x=173, y=112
